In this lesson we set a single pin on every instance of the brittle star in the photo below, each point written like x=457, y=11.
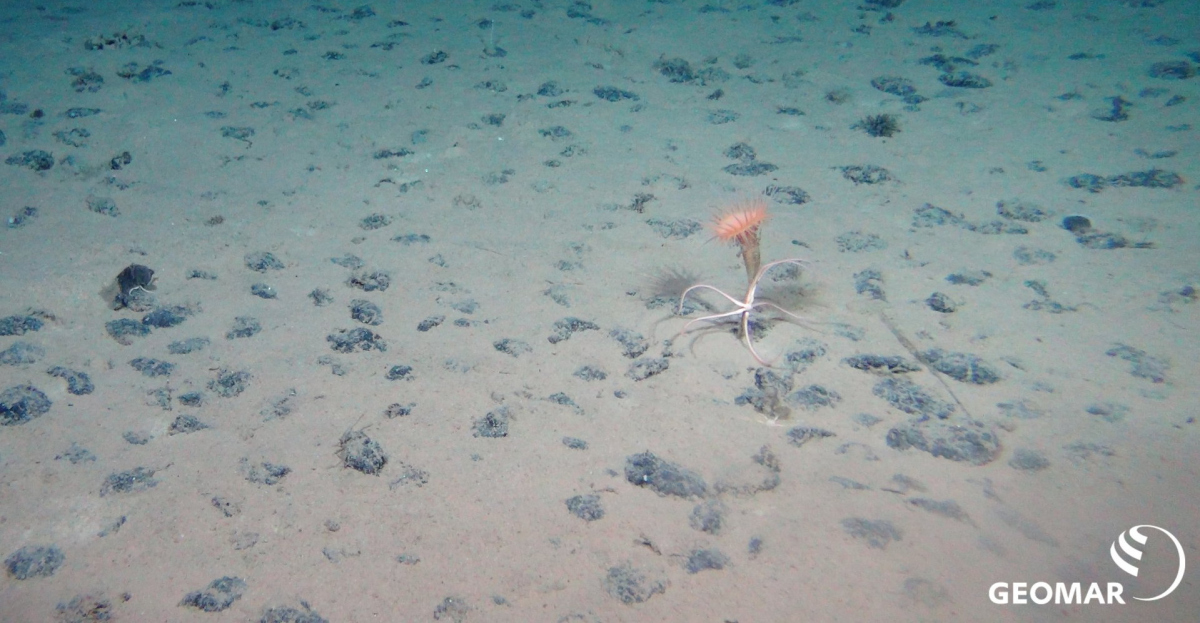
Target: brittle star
x=744, y=307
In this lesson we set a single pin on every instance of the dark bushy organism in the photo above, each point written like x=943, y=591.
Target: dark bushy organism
x=879, y=126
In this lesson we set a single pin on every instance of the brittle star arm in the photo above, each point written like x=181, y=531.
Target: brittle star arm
x=698, y=286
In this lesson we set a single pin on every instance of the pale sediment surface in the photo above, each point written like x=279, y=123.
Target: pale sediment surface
x=409, y=349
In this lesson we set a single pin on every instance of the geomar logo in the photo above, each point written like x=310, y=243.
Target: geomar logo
x=1130, y=551
x=1110, y=593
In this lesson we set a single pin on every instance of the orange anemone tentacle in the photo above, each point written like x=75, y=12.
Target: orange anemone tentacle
x=741, y=221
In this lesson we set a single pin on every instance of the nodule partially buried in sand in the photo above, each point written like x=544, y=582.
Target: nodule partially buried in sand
x=131, y=288
x=740, y=224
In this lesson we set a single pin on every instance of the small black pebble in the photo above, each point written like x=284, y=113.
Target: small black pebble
x=396, y=409
x=34, y=562
x=1077, y=224
x=217, y=596
x=78, y=383
x=939, y=302
x=575, y=443
x=430, y=323
x=586, y=507
x=361, y=453
x=493, y=425
x=399, y=372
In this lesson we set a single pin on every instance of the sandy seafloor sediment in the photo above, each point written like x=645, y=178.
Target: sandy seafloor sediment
x=464, y=151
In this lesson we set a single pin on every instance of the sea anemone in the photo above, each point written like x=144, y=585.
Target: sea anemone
x=740, y=221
